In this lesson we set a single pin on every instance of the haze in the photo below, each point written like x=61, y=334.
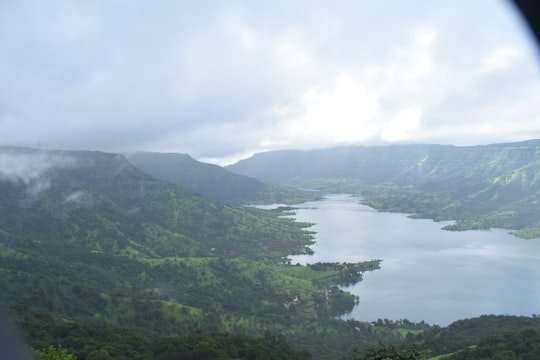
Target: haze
x=223, y=80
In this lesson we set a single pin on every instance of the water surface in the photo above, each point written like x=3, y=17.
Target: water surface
x=427, y=273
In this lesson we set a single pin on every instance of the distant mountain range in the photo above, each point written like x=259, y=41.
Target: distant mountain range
x=213, y=181
x=479, y=186
x=403, y=164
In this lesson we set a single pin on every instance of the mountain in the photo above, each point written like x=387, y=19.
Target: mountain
x=103, y=203
x=213, y=181
x=109, y=262
x=209, y=180
x=87, y=236
x=478, y=186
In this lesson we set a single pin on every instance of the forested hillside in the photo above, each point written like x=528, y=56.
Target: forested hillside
x=88, y=236
x=214, y=181
x=478, y=186
x=109, y=262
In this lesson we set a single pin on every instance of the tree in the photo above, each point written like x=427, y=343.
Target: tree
x=55, y=353
x=385, y=353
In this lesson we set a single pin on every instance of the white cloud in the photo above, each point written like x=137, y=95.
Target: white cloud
x=500, y=59
x=78, y=197
x=347, y=113
x=30, y=168
x=216, y=79
x=248, y=38
x=291, y=52
x=427, y=38
x=403, y=125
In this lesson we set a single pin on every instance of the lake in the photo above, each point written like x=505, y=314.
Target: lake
x=427, y=273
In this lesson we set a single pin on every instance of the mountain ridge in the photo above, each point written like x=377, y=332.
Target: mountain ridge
x=86, y=235
x=92, y=245
x=213, y=181
x=482, y=186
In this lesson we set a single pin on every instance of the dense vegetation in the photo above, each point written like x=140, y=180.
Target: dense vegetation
x=100, y=260
x=478, y=187
x=524, y=345
x=93, y=339
x=486, y=337
x=86, y=235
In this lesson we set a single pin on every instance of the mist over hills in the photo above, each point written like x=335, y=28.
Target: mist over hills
x=69, y=191
x=478, y=186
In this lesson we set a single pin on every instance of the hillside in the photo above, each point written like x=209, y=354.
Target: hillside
x=109, y=262
x=478, y=186
x=213, y=181
x=101, y=202
x=88, y=236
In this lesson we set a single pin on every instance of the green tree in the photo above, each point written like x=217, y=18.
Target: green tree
x=55, y=353
x=385, y=353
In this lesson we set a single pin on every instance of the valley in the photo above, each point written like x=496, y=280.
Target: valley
x=478, y=187
x=91, y=244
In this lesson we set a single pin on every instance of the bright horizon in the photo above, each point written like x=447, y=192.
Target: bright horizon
x=221, y=81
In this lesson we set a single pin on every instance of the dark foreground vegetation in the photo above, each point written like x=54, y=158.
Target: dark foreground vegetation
x=91, y=339
x=487, y=337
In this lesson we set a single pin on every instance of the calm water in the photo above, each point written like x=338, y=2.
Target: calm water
x=427, y=273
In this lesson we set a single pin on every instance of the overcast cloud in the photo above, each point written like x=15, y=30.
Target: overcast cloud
x=223, y=79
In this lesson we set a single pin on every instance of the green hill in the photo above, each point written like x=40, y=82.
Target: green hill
x=478, y=186
x=88, y=236
x=102, y=203
x=110, y=262
x=213, y=181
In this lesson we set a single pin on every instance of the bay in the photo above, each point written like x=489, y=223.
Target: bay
x=427, y=274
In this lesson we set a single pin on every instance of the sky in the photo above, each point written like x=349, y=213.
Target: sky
x=221, y=80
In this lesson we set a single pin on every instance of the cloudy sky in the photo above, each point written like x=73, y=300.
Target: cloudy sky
x=221, y=80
